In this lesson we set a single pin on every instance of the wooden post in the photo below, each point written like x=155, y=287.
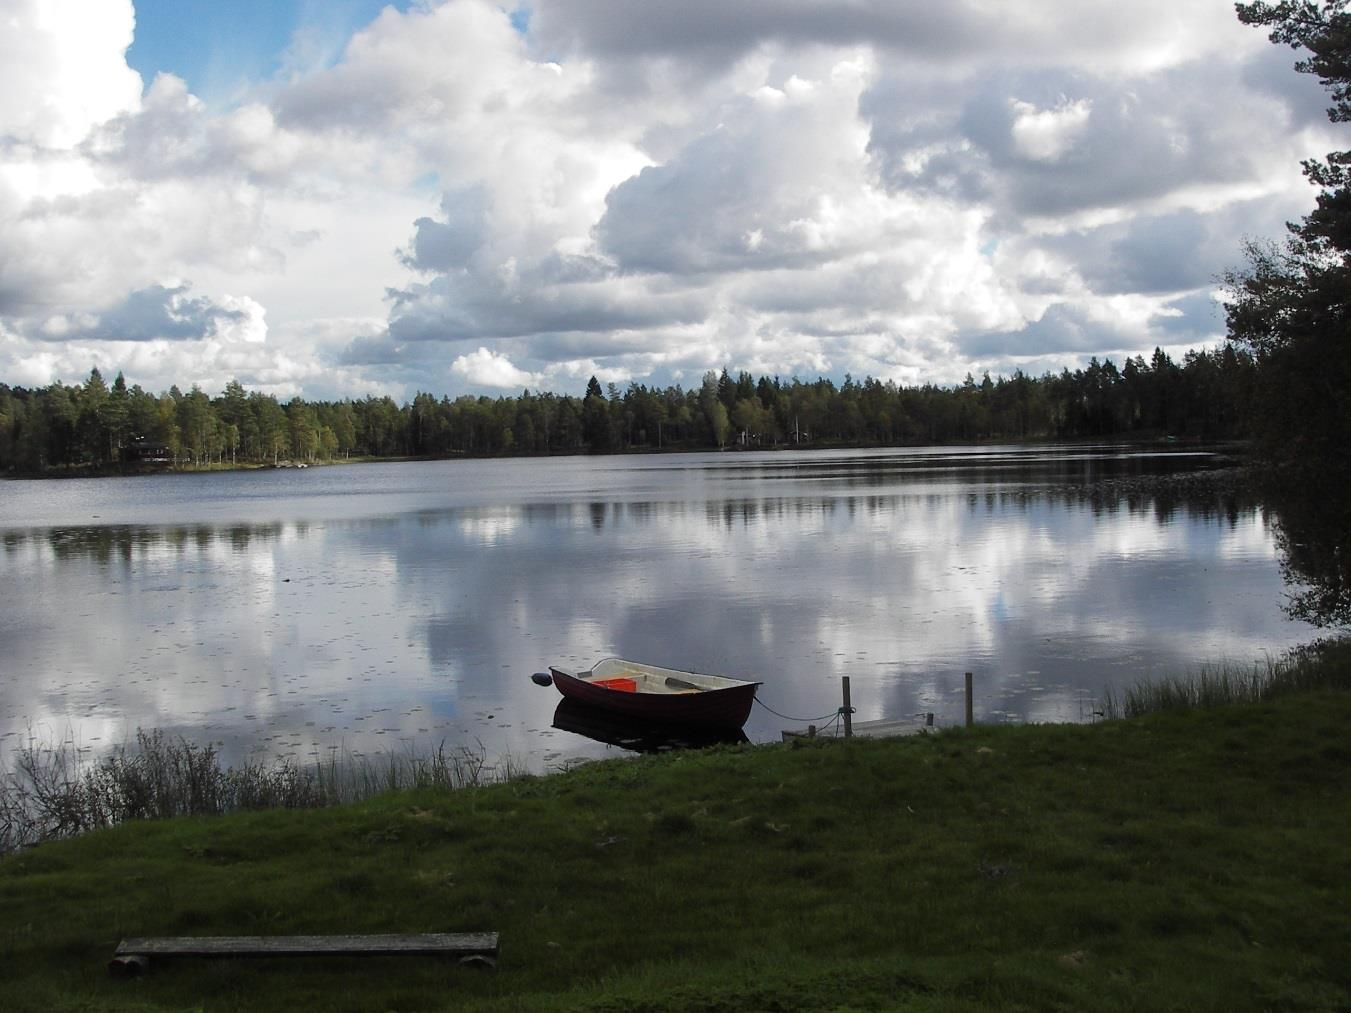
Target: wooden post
x=970, y=716
x=847, y=710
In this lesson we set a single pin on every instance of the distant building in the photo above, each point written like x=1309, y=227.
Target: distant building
x=147, y=452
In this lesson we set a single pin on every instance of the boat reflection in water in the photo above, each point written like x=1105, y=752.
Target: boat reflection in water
x=638, y=735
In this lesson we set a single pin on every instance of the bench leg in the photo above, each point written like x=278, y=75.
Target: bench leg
x=129, y=966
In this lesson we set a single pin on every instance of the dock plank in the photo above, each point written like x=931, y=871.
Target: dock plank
x=137, y=951
x=449, y=944
x=867, y=730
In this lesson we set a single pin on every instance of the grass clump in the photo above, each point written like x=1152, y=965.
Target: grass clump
x=1192, y=859
x=1324, y=664
x=53, y=791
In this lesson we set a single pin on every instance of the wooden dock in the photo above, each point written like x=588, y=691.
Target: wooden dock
x=913, y=725
x=866, y=729
x=134, y=955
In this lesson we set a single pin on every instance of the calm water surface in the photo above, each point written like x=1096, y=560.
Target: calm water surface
x=395, y=606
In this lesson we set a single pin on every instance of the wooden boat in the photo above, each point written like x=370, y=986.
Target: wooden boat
x=659, y=694
x=638, y=734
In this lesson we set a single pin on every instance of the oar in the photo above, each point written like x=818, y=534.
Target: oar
x=675, y=683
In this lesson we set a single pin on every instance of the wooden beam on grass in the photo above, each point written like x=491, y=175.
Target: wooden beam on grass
x=135, y=954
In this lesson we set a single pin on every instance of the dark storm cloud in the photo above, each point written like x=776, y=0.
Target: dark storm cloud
x=1193, y=319
x=173, y=136
x=707, y=33
x=749, y=193
x=168, y=136
x=371, y=351
x=1154, y=254
x=1067, y=329
x=459, y=309
x=1104, y=142
x=1159, y=254
x=159, y=313
x=716, y=31
x=547, y=348
x=695, y=213
x=449, y=244
x=1166, y=253
x=1063, y=328
x=1269, y=71
x=553, y=319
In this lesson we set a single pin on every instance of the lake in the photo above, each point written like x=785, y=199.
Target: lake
x=395, y=606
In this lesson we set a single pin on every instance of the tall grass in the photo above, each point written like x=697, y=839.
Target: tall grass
x=1324, y=664
x=52, y=791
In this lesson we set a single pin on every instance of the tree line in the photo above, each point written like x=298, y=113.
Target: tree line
x=97, y=425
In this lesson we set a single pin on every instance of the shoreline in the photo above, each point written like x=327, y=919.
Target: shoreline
x=1184, y=859
x=194, y=781
x=1238, y=447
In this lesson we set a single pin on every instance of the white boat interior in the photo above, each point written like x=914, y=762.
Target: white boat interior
x=652, y=679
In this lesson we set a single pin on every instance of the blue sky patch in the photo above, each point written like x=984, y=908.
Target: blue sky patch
x=221, y=49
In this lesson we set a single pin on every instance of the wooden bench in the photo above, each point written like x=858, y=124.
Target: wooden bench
x=477, y=949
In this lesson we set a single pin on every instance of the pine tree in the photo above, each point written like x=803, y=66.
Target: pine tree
x=1290, y=307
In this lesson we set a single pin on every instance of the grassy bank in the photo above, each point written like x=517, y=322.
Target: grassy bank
x=1323, y=664
x=53, y=791
x=1189, y=859
x=50, y=791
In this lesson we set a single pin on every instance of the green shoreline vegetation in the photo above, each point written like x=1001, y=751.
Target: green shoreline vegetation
x=94, y=429
x=1192, y=857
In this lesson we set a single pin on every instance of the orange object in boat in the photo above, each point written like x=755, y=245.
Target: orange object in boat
x=620, y=685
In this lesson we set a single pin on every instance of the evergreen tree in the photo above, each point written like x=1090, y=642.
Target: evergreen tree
x=596, y=418
x=93, y=404
x=1290, y=307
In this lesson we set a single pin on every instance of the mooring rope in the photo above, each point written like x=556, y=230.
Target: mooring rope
x=834, y=713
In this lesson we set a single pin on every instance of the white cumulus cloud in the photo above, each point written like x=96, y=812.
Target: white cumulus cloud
x=61, y=68
x=1046, y=134
x=484, y=368
x=640, y=191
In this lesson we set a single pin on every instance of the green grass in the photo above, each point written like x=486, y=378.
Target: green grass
x=1323, y=664
x=1185, y=860
x=52, y=791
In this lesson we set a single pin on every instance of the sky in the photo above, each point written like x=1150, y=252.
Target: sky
x=342, y=198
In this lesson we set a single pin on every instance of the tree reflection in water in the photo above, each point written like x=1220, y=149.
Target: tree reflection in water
x=1314, y=537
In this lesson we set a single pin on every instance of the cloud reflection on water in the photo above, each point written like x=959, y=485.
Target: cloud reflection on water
x=423, y=624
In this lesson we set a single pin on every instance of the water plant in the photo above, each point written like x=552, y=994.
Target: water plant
x=1323, y=664
x=51, y=790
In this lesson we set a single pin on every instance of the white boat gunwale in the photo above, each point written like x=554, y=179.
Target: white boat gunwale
x=652, y=679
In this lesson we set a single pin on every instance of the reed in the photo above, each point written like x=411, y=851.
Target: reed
x=54, y=790
x=51, y=791
x=1324, y=664
x=346, y=777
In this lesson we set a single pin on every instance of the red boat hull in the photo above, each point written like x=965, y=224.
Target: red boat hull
x=636, y=734
x=710, y=708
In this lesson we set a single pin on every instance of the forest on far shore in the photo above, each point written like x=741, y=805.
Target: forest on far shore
x=100, y=426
